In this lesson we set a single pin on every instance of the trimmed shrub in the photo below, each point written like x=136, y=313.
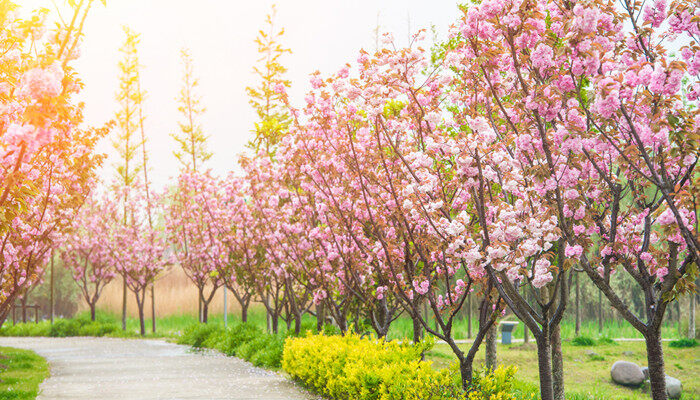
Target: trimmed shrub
x=350, y=367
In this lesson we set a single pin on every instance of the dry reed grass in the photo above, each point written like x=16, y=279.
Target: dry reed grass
x=175, y=295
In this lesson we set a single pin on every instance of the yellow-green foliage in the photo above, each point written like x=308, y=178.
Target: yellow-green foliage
x=356, y=368
x=496, y=385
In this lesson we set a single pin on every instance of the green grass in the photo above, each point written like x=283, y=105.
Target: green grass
x=403, y=328
x=587, y=369
x=25, y=371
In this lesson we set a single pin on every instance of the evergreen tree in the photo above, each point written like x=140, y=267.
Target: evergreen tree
x=129, y=119
x=269, y=97
x=192, y=151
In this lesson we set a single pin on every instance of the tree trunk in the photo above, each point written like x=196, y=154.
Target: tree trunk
x=466, y=370
x=24, y=309
x=124, y=302
x=469, y=316
x=342, y=322
x=51, y=301
x=320, y=316
x=244, y=311
x=417, y=329
x=92, y=311
x=297, y=324
x=153, y=307
x=275, y=322
x=491, y=357
x=199, y=305
x=205, y=312
x=544, y=361
x=655, y=360
x=557, y=364
x=142, y=317
x=578, y=306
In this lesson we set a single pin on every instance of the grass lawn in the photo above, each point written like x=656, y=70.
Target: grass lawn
x=586, y=375
x=22, y=372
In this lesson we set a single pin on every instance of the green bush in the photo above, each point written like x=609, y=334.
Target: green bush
x=97, y=329
x=197, y=334
x=82, y=325
x=683, y=343
x=269, y=356
x=43, y=328
x=65, y=328
x=497, y=384
x=606, y=340
x=583, y=341
x=242, y=340
x=351, y=367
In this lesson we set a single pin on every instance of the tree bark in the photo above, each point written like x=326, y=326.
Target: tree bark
x=297, y=324
x=417, y=329
x=142, y=317
x=24, y=308
x=557, y=364
x=320, y=316
x=275, y=322
x=199, y=305
x=244, y=311
x=655, y=360
x=205, y=311
x=544, y=361
x=491, y=356
x=124, y=302
x=92, y=311
x=153, y=307
x=469, y=316
x=51, y=301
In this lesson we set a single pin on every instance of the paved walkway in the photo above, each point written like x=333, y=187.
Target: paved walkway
x=125, y=369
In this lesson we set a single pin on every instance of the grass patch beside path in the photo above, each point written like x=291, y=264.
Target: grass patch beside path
x=586, y=375
x=24, y=371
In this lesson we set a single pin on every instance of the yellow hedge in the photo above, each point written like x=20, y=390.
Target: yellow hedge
x=351, y=367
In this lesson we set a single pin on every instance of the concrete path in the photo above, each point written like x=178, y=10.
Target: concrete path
x=125, y=369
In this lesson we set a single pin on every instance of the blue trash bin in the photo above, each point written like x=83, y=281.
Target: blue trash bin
x=507, y=328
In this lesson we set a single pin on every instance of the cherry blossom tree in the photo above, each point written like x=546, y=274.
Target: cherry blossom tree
x=85, y=253
x=186, y=218
x=589, y=109
x=46, y=162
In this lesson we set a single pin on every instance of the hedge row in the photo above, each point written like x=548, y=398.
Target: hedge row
x=245, y=341
x=79, y=326
x=350, y=367
x=355, y=368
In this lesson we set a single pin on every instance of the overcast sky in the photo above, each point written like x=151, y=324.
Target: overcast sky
x=323, y=35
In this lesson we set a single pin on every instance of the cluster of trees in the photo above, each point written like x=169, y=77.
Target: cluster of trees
x=541, y=139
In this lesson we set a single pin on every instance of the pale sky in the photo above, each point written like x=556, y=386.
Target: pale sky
x=322, y=34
